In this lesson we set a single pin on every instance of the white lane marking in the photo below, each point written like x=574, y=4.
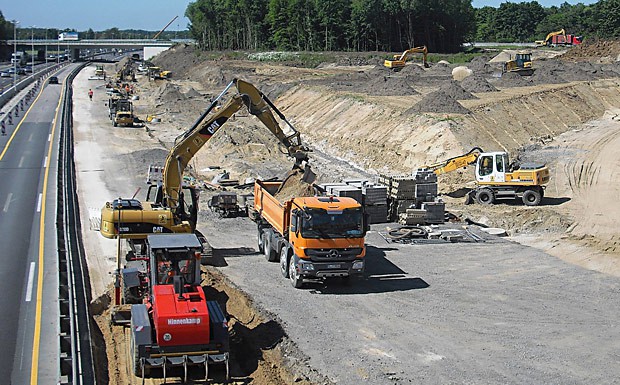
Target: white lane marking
x=49, y=137
x=39, y=203
x=44, y=162
x=30, y=137
x=8, y=201
x=21, y=162
x=30, y=282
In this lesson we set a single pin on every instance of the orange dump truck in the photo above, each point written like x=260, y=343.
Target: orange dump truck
x=312, y=237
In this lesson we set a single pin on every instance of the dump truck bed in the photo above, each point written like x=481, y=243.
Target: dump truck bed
x=269, y=207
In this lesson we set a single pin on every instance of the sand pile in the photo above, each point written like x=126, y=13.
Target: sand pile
x=513, y=79
x=412, y=70
x=441, y=69
x=438, y=102
x=477, y=83
x=389, y=86
x=169, y=60
x=294, y=186
x=455, y=91
x=169, y=93
x=480, y=64
x=192, y=94
x=593, y=49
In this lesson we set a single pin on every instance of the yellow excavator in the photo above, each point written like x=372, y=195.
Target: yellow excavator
x=398, y=61
x=168, y=209
x=497, y=178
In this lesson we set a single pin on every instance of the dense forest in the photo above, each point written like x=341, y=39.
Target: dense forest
x=365, y=25
x=382, y=25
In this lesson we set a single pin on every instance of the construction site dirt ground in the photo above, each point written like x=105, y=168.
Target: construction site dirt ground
x=499, y=311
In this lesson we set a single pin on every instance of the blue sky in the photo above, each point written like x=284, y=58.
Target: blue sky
x=151, y=15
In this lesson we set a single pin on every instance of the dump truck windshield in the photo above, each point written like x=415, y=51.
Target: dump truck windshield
x=320, y=223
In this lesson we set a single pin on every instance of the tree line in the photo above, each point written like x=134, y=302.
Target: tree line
x=382, y=25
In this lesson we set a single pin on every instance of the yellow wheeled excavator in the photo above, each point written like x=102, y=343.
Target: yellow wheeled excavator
x=398, y=61
x=172, y=207
x=497, y=178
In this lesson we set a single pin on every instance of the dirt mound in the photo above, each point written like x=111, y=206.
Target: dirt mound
x=477, y=83
x=169, y=93
x=170, y=60
x=413, y=69
x=480, y=64
x=389, y=86
x=513, y=79
x=441, y=69
x=438, y=102
x=192, y=93
x=454, y=90
x=294, y=186
x=593, y=50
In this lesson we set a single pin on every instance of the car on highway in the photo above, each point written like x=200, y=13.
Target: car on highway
x=53, y=80
x=21, y=71
x=28, y=69
x=5, y=74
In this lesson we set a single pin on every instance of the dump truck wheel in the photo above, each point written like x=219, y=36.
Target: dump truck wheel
x=296, y=280
x=261, y=245
x=485, y=196
x=531, y=197
x=284, y=262
x=270, y=253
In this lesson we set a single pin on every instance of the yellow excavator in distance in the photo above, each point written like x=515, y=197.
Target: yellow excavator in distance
x=169, y=210
x=497, y=178
x=398, y=61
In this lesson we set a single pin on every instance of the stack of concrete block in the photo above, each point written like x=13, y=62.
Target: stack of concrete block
x=412, y=217
x=425, y=186
x=435, y=212
x=372, y=196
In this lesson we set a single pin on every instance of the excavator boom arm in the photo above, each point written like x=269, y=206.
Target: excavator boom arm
x=189, y=143
x=456, y=162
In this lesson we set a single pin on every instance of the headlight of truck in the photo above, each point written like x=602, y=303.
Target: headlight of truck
x=306, y=266
x=358, y=265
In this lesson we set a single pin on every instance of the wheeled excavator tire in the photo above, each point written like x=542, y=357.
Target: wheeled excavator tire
x=485, y=196
x=531, y=197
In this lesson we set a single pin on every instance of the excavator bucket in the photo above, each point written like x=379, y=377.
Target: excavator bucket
x=309, y=175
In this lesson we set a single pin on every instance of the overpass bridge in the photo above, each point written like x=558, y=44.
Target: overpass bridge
x=147, y=45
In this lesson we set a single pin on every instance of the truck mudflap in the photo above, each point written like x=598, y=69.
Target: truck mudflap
x=308, y=268
x=184, y=361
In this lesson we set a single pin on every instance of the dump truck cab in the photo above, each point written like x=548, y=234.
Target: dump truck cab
x=312, y=237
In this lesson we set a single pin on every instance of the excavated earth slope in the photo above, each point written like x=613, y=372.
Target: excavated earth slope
x=381, y=121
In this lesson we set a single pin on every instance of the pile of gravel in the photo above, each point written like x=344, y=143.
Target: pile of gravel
x=477, y=83
x=169, y=93
x=454, y=90
x=480, y=64
x=389, y=86
x=438, y=102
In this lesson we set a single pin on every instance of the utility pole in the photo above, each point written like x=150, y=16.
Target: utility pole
x=33, y=52
x=15, y=22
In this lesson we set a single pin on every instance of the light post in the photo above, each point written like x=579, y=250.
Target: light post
x=15, y=22
x=33, y=52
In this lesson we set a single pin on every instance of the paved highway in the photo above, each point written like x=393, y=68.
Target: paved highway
x=28, y=257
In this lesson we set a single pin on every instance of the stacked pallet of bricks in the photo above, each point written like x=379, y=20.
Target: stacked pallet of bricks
x=417, y=191
x=372, y=196
x=375, y=200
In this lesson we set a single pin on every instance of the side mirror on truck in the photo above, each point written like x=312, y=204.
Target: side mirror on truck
x=366, y=223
